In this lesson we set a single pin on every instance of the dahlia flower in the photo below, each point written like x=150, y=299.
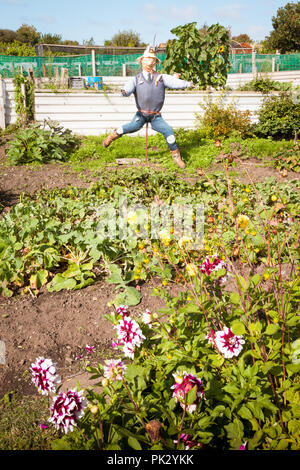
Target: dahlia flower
x=228, y=343
x=209, y=265
x=114, y=369
x=184, y=382
x=186, y=439
x=44, y=375
x=122, y=310
x=67, y=409
x=148, y=318
x=129, y=335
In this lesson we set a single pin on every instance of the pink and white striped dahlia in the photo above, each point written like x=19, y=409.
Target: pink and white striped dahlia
x=114, y=369
x=184, y=382
x=228, y=343
x=67, y=409
x=129, y=335
x=122, y=310
x=188, y=442
x=44, y=375
x=212, y=263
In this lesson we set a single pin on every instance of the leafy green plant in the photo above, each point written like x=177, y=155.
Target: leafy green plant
x=203, y=59
x=220, y=120
x=265, y=85
x=278, y=117
x=288, y=158
x=41, y=144
x=24, y=98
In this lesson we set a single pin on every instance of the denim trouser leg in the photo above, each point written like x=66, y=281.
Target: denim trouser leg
x=160, y=125
x=134, y=125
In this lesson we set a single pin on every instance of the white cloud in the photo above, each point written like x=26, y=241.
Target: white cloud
x=186, y=14
x=231, y=12
x=47, y=19
x=257, y=32
x=152, y=13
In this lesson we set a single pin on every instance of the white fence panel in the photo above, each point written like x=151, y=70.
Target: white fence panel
x=94, y=113
x=2, y=104
x=91, y=113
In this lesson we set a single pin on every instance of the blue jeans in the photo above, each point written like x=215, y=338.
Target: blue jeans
x=158, y=124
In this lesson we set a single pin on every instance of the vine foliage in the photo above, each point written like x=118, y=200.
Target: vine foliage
x=24, y=98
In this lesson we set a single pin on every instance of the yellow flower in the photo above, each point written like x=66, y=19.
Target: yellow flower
x=192, y=269
x=221, y=49
x=165, y=236
x=132, y=217
x=185, y=241
x=243, y=221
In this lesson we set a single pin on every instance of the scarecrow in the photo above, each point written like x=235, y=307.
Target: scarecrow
x=148, y=88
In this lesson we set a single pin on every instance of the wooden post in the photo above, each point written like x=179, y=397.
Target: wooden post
x=146, y=148
x=2, y=104
x=79, y=70
x=44, y=70
x=124, y=70
x=254, y=69
x=241, y=68
x=94, y=63
x=273, y=64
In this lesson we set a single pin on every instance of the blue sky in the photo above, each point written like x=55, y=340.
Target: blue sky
x=80, y=19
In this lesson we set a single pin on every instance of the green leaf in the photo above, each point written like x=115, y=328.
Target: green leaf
x=245, y=413
x=238, y=328
x=235, y=298
x=59, y=282
x=134, y=443
x=271, y=329
x=191, y=396
x=130, y=297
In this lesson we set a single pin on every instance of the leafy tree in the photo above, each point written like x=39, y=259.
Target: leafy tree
x=88, y=42
x=202, y=59
x=28, y=34
x=242, y=38
x=286, y=33
x=124, y=39
x=7, y=35
x=17, y=48
x=50, y=39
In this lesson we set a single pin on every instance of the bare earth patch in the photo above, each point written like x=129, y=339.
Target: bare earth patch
x=59, y=325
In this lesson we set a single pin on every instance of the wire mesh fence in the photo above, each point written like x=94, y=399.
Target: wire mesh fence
x=113, y=65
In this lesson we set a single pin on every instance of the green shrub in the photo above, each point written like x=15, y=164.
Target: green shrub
x=221, y=121
x=41, y=144
x=265, y=85
x=279, y=117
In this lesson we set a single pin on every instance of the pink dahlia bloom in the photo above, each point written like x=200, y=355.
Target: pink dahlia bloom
x=129, y=335
x=122, y=310
x=188, y=442
x=212, y=263
x=67, y=409
x=228, y=343
x=184, y=383
x=114, y=369
x=44, y=375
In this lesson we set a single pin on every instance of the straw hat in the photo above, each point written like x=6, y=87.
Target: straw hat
x=149, y=52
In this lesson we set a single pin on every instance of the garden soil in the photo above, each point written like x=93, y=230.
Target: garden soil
x=60, y=325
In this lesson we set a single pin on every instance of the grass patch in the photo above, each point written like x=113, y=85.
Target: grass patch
x=20, y=420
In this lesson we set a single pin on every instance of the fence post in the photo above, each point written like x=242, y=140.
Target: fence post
x=273, y=64
x=254, y=69
x=94, y=63
x=2, y=104
x=124, y=70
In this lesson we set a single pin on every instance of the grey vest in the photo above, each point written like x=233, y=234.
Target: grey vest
x=149, y=97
